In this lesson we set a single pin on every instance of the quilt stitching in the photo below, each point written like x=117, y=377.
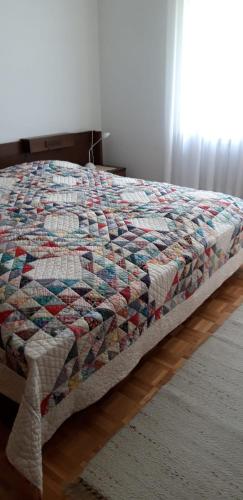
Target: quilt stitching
x=86, y=258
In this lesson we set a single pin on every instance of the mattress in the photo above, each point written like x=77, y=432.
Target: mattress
x=95, y=270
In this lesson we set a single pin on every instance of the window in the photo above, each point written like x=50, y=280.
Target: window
x=211, y=86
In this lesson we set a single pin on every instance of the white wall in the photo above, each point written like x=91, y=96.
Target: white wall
x=132, y=65
x=49, y=68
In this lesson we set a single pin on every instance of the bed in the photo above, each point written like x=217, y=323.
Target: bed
x=95, y=270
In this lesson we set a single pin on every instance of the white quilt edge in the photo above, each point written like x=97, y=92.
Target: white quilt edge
x=97, y=385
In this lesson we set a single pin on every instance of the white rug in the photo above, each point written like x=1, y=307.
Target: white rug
x=187, y=443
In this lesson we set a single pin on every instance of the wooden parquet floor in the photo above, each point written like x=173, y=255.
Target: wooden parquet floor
x=81, y=436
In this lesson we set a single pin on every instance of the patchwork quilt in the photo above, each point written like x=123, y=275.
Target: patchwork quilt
x=89, y=261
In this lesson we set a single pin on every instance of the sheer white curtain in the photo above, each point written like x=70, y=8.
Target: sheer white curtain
x=203, y=117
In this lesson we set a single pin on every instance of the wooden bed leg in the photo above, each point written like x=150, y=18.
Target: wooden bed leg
x=35, y=494
x=14, y=484
x=27, y=491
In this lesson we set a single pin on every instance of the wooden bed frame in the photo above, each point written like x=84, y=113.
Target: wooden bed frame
x=73, y=147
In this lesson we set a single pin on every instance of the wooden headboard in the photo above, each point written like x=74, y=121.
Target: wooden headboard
x=68, y=147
